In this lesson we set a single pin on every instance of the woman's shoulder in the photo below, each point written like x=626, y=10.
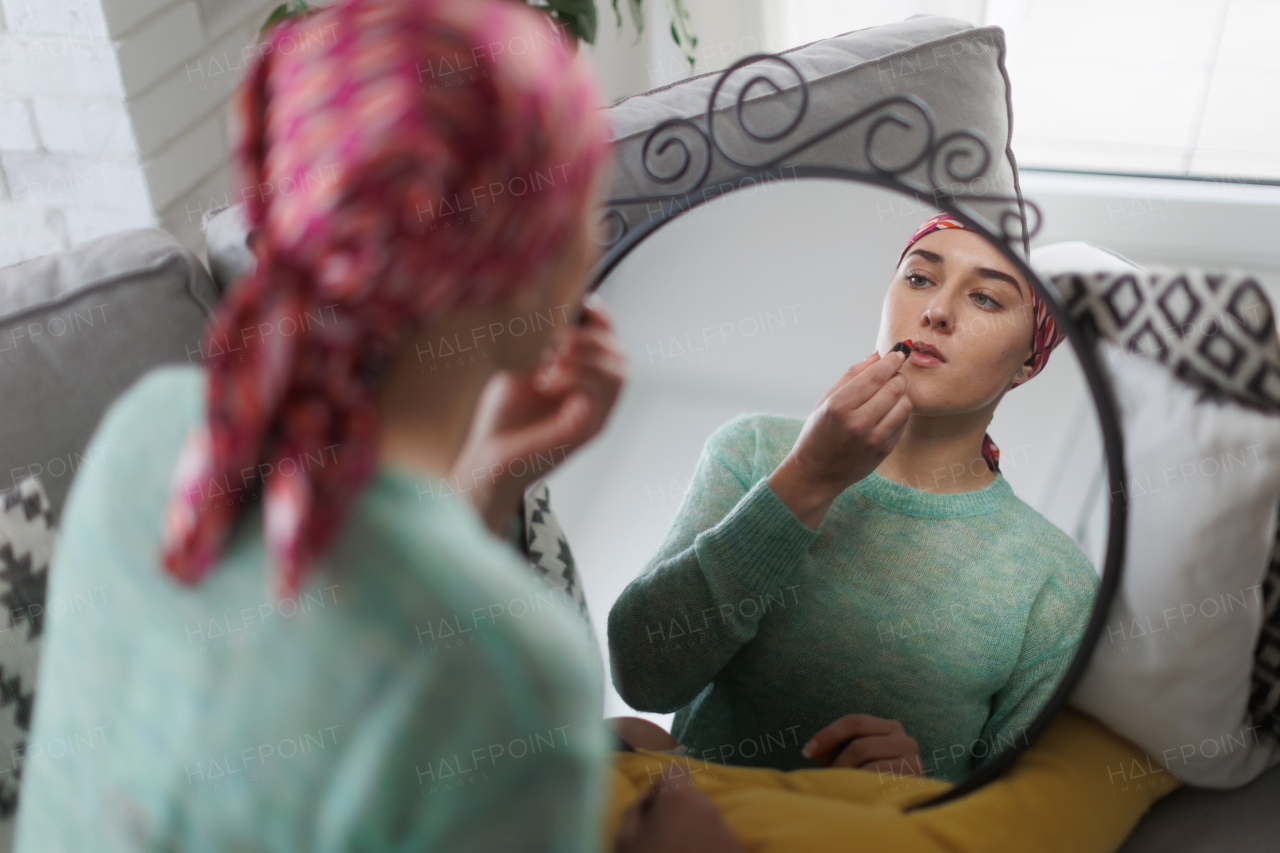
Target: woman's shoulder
x=452, y=579
x=1054, y=552
x=167, y=398
x=127, y=465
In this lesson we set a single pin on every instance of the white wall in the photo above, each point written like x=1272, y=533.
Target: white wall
x=111, y=116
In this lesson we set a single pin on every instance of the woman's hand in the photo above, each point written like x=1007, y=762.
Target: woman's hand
x=526, y=425
x=868, y=743
x=638, y=732
x=674, y=817
x=847, y=435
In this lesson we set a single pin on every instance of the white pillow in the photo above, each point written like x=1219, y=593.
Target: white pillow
x=1173, y=669
x=1077, y=256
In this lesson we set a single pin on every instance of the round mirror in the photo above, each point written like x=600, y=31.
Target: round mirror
x=774, y=600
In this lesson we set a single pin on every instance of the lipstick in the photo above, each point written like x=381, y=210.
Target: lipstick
x=902, y=346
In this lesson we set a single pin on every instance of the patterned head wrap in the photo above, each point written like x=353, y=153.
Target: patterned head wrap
x=401, y=158
x=1046, y=335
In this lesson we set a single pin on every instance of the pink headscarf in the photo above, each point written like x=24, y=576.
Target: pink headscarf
x=1046, y=334
x=401, y=158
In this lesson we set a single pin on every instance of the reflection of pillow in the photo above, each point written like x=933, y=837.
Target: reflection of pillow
x=1174, y=667
x=27, y=537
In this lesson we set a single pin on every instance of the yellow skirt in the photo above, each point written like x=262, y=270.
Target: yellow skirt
x=1080, y=788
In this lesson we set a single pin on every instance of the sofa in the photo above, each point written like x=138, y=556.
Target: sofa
x=79, y=327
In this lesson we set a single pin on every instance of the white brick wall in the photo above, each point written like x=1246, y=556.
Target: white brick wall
x=112, y=116
x=84, y=125
x=64, y=17
x=17, y=133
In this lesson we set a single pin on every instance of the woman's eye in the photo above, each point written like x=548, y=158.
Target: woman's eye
x=985, y=301
x=916, y=279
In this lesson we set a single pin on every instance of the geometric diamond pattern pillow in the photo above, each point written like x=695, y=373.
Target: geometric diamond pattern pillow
x=27, y=537
x=1264, y=699
x=1216, y=331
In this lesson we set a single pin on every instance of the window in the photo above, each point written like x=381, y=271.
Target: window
x=1160, y=87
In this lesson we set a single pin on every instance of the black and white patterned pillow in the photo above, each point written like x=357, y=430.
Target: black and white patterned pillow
x=27, y=537
x=547, y=550
x=1216, y=331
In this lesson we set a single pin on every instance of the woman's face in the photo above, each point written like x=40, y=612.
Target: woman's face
x=969, y=306
x=560, y=288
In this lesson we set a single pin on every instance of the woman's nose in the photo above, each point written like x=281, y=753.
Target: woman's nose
x=938, y=314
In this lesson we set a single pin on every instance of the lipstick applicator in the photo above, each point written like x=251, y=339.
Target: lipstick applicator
x=902, y=346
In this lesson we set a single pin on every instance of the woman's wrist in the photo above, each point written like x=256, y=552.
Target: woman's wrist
x=807, y=499
x=504, y=499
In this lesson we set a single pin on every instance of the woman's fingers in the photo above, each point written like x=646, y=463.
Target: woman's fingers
x=867, y=416
x=890, y=427
x=853, y=371
x=590, y=356
x=848, y=726
x=864, y=750
x=863, y=387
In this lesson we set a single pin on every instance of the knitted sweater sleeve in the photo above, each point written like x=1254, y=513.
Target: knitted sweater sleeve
x=732, y=545
x=1054, y=628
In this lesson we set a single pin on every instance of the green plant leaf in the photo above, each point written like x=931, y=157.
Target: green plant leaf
x=681, y=31
x=277, y=14
x=284, y=10
x=578, y=15
x=637, y=17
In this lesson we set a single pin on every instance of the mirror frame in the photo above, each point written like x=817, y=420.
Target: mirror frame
x=955, y=152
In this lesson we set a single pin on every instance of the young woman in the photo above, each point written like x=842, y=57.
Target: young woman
x=308, y=644
x=862, y=588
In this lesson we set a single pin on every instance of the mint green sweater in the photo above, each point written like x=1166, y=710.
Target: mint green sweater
x=424, y=691
x=954, y=614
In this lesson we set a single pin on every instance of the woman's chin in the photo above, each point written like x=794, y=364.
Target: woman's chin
x=933, y=396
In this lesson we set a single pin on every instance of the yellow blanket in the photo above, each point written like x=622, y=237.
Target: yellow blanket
x=1080, y=788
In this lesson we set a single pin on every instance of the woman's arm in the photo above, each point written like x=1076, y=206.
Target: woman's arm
x=732, y=547
x=1054, y=629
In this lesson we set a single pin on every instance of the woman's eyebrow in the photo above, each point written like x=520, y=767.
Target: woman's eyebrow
x=986, y=272
x=927, y=255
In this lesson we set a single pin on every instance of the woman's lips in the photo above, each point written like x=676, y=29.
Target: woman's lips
x=924, y=355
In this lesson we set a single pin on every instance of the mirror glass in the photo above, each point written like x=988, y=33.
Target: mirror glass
x=949, y=610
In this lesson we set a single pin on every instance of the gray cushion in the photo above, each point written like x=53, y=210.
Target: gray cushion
x=954, y=67
x=76, y=329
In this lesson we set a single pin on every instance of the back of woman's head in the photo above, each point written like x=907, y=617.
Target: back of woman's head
x=400, y=159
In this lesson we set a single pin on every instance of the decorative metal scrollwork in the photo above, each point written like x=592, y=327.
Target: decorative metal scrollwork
x=898, y=136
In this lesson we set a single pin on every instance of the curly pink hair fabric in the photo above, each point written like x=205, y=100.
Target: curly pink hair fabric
x=400, y=158
x=1046, y=334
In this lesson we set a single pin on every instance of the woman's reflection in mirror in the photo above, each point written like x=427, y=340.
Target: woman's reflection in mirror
x=862, y=588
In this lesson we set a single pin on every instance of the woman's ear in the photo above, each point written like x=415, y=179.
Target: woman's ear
x=1024, y=371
